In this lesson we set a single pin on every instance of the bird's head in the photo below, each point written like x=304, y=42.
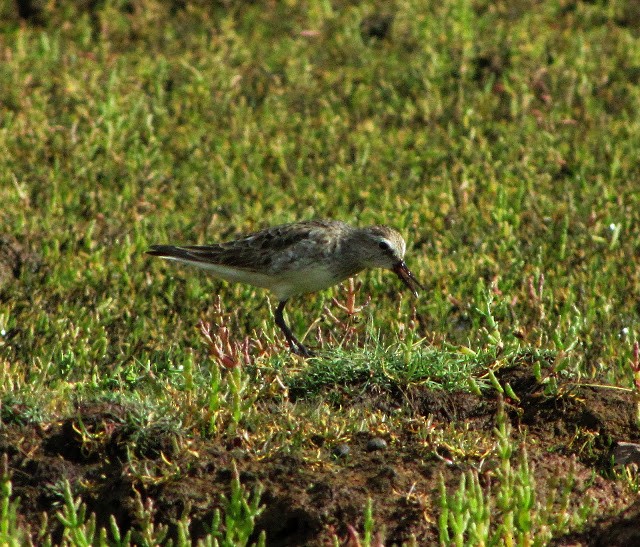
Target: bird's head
x=384, y=248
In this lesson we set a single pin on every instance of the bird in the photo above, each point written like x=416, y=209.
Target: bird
x=298, y=258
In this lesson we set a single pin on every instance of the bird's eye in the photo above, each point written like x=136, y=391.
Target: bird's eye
x=384, y=245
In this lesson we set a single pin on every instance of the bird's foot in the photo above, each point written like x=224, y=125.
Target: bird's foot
x=302, y=351
x=298, y=348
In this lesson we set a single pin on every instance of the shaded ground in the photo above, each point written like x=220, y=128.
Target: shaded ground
x=14, y=258
x=307, y=499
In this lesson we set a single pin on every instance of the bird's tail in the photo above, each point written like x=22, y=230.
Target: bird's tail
x=170, y=251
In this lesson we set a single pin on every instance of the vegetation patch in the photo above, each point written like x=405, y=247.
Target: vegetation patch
x=147, y=403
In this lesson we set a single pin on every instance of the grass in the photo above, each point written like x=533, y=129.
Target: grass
x=501, y=138
x=240, y=512
x=467, y=514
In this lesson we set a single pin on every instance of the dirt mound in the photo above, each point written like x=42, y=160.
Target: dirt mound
x=306, y=499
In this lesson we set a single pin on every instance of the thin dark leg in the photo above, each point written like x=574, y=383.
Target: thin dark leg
x=296, y=346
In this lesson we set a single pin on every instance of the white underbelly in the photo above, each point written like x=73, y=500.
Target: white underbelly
x=283, y=286
x=304, y=281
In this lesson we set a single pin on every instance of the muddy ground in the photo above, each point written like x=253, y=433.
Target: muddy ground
x=305, y=502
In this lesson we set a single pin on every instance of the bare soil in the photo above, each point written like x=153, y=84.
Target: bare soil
x=306, y=501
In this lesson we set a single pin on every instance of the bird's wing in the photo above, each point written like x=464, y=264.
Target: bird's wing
x=259, y=252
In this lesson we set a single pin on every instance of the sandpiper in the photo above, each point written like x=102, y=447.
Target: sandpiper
x=298, y=258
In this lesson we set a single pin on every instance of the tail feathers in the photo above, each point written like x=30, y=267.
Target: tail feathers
x=170, y=251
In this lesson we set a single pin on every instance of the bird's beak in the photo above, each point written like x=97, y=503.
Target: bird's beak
x=407, y=277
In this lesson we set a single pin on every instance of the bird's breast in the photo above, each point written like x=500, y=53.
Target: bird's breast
x=305, y=281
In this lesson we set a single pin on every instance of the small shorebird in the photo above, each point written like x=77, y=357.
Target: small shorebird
x=298, y=258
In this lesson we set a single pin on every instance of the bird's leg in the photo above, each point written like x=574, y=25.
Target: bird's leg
x=296, y=346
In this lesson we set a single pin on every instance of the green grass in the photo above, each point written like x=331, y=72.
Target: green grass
x=122, y=132
x=501, y=138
